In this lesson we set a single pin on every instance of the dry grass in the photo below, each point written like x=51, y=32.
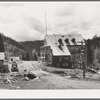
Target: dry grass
x=73, y=73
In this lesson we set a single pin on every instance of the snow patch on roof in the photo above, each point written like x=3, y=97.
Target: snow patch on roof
x=52, y=41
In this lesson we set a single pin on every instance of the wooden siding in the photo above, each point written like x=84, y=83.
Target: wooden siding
x=61, y=61
x=55, y=61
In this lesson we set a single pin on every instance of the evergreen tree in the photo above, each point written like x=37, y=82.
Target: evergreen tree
x=89, y=52
x=23, y=56
x=27, y=58
x=2, y=49
x=34, y=54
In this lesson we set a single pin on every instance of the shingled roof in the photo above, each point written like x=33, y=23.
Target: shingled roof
x=59, y=45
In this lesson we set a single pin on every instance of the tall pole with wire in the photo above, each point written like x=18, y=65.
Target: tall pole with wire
x=45, y=31
x=83, y=58
x=45, y=24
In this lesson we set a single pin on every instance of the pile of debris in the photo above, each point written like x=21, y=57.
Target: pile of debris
x=34, y=74
x=9, y=77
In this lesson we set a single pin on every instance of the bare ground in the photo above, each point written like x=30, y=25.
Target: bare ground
x=47, y=81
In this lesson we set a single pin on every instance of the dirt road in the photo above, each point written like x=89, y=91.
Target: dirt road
x=48, y=81
x=28, y=65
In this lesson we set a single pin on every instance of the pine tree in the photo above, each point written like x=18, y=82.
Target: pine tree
x=2, y=49
x=34, y=54
x=27, y=58
x=89, y=52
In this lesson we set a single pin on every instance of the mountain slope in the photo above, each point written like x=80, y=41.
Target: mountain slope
x=14, y=48
x=33, y=45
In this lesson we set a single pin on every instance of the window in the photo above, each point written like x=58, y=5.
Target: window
x=73, y=40
x=66, y=58
x=41, y=54
x=67, y=41
x=98, y=59
x=60, y=59
x=60, y=42
x=79, y=50
x=77, y=56
x=82, y=56
x=60, y=47
x=46, y=57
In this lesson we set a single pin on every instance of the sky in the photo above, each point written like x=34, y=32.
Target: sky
x=25, y=21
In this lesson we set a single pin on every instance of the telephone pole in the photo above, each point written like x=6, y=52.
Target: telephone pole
x=83, y=57
x=45, y=23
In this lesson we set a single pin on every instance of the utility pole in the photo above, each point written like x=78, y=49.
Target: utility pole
x=85, y=54
x=45, y=23
x=45, y=27
x=83, y=58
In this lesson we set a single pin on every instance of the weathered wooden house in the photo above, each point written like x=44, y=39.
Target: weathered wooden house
x=55, y=52
x=62, y=50
x=73, y=43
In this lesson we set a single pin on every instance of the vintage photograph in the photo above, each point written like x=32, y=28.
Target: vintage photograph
x=49, y=45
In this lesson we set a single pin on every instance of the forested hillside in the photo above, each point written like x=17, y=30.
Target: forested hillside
x=14, y=48
x=93, y=51
x=24, y=49
x=34, y=45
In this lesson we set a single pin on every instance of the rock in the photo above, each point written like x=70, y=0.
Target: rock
x=18, y=87
x=11, y=75
x=37, y=78
x=12, y=86
x=28, y=84
x=27, y=79
x=98, y=72
x=6, y=81
x=96, y=76
x=74, y=76
x=67, y=76
x=14, y=80
x=0, y=77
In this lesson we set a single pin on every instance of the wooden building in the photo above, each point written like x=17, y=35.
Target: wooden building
x=55, y=53
x=62, y=50
x=73, y=43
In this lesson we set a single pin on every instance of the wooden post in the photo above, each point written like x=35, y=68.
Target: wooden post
x=83, y=60
x=85, y=55
x=83, y=69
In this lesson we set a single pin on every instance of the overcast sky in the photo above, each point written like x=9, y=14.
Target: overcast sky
x=26, y=21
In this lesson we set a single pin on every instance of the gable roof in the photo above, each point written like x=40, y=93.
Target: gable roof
x=52, y=41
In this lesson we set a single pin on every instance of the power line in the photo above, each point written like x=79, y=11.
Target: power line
x=83, y=52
